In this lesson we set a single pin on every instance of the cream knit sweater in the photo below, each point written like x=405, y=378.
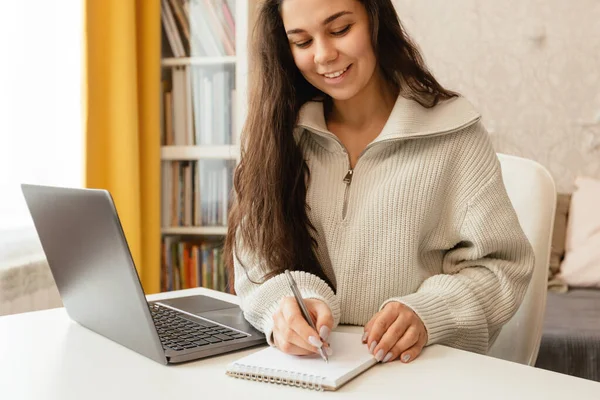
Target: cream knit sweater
x=423, y=219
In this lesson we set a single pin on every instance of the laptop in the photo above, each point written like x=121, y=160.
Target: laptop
x=89, y=257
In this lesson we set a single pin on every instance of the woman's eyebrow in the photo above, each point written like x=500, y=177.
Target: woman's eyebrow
x=327, y=20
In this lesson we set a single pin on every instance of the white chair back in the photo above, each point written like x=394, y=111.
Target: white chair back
x=532, y=192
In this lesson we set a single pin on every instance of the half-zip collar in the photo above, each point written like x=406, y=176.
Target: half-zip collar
x=407, y=120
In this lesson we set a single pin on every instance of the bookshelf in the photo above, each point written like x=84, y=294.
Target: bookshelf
x=224, y=152
x=204, y=72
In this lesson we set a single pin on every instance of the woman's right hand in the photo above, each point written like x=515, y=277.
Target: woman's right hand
x=293, y=335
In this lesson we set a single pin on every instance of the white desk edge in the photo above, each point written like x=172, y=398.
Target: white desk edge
x=46, y=355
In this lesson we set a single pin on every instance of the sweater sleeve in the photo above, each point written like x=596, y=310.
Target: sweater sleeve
x=259, y=301
x=485, y=276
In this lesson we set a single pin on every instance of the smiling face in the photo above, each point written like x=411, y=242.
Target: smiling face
x=331, y=44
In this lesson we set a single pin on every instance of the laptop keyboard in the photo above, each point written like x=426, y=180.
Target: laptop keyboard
x=179, y=332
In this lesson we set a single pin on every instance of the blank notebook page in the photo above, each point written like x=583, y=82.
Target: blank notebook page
x=350, y=357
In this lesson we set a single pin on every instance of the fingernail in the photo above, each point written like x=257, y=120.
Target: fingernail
x=379, y=355
x=324, y=332
x=406, y=357
x=372, y=347
x=315, y=342
x=329, y=351
x=365, y=336
x=387, y=357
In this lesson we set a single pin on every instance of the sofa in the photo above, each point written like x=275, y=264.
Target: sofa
x=26, y=283
x=571, y=335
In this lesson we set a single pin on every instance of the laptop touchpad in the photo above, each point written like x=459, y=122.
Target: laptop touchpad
x=197, y=304
x=231, y=317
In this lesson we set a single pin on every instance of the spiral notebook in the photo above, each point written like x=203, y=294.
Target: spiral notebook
x=350, y=358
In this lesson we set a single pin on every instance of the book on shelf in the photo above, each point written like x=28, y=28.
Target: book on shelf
x=198, y=104
x=176, y=45
x=191, y=263
x=199, y=28
x=196, y=192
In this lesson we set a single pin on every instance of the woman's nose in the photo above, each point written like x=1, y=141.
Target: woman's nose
x=325, y=52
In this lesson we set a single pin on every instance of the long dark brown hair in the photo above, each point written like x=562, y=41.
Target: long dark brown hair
x=269, y=211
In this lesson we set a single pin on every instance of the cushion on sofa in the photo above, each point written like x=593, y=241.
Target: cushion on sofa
x=581, y=264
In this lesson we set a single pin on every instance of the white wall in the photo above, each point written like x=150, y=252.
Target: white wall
x=532, y=67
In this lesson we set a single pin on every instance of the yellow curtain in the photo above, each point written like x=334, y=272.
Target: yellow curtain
x=122, y=94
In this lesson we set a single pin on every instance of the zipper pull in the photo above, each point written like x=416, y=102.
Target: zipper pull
x=348, y=177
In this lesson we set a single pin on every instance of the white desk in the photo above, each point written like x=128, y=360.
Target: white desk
x=44, y=355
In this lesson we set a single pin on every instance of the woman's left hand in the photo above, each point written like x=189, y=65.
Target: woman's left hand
x=395, y=332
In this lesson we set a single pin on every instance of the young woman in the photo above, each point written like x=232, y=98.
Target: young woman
x=379, y=188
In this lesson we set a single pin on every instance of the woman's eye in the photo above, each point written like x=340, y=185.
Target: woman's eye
x=303, y=44
x=342, y=31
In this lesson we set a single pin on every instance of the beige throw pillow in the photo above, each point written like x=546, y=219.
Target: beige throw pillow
x=581, y=265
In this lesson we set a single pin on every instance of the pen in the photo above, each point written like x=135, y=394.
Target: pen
x=303, y=308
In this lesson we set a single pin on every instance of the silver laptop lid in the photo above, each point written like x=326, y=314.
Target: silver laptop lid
x=86, y=249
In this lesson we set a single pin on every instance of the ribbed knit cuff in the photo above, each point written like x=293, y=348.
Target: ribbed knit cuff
x=276, y=288
x=434, y=313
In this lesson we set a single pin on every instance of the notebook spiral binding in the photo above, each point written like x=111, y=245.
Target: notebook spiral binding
x=277, y=376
